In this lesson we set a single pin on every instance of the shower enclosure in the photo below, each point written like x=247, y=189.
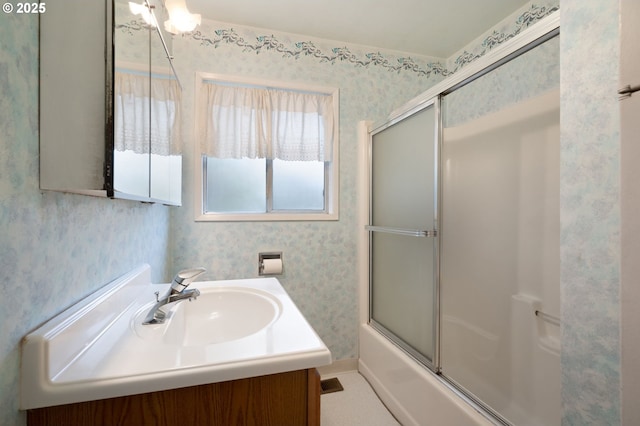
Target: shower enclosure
x=464, y=243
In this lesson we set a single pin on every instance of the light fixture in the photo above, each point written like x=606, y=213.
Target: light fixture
x=180, y=19
x=145, y=12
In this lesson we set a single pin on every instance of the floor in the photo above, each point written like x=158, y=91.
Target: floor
x=356, y=405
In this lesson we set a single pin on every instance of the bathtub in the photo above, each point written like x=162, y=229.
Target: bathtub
x=413, y=394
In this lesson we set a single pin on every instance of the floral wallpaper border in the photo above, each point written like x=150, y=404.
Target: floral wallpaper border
x=343, y=54
x=307, y=48
x=525, y=20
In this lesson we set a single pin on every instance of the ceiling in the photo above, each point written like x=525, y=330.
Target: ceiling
x=427, y=27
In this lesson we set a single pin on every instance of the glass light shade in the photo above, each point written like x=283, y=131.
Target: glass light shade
x=180, y=19
x=143, y=10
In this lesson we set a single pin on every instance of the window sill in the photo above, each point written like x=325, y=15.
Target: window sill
x=266, y=217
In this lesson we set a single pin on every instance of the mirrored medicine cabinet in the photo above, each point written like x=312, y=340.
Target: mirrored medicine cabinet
x=109, y=101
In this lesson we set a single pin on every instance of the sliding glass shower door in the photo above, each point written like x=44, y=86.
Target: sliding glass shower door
x=499, y=269
x=465, y=235
x=403, y=244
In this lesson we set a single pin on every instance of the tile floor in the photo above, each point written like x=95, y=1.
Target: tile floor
x=356, y=405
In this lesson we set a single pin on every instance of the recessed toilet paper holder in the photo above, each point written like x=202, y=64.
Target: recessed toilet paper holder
x=270, y=257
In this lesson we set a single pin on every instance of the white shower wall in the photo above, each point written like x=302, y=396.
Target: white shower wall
x=499, y=263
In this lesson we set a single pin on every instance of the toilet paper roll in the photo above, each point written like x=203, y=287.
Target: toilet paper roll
x=272, y=266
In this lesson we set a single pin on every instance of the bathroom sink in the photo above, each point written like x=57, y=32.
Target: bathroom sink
x=100, y=349
x=218, y=315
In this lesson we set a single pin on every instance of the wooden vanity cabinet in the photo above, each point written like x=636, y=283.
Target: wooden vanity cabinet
x=284, y=399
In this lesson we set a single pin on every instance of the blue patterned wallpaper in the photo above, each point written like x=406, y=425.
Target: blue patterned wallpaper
x=590, y=212
x=54, y=248
x=480, y=98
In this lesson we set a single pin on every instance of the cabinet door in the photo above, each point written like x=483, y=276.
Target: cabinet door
x=73, y=121
x=147, y=96
x=131, y=98
x=165, y=133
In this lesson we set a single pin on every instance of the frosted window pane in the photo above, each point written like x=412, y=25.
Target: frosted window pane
x=298, y=185
x=236, y=186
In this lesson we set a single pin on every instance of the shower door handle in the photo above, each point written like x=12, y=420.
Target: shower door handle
x=403, y=231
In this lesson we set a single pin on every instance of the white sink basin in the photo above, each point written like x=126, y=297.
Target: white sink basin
x=218, y=315
x=99, y=348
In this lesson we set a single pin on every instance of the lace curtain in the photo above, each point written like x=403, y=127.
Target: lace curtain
x=146, y=114
x=247, y=122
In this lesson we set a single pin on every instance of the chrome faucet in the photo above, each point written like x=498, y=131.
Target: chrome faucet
x=176, y=293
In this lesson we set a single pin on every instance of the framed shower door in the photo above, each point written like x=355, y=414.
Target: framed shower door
x=403, y=231
x=500, y=243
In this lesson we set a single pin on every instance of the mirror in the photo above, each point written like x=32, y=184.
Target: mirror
x=147, y=95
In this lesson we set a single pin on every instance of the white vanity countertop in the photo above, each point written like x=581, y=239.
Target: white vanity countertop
x=93, y=350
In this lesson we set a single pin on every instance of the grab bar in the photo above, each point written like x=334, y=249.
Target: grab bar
x=548, y=317
x=402, y=231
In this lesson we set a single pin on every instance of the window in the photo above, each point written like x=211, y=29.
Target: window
x=267, y=151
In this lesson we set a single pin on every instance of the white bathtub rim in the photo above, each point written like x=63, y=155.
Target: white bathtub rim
x=454, y=402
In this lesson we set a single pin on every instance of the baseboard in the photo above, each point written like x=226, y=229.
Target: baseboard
x=339, y=366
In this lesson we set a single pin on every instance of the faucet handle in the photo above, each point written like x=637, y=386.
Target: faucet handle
x=184, y=278
x=190, y=273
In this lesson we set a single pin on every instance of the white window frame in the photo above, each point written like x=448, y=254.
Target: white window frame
x=332, y=177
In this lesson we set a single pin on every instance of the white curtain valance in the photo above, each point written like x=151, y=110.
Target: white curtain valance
x=248, y=122
x=146, y=114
